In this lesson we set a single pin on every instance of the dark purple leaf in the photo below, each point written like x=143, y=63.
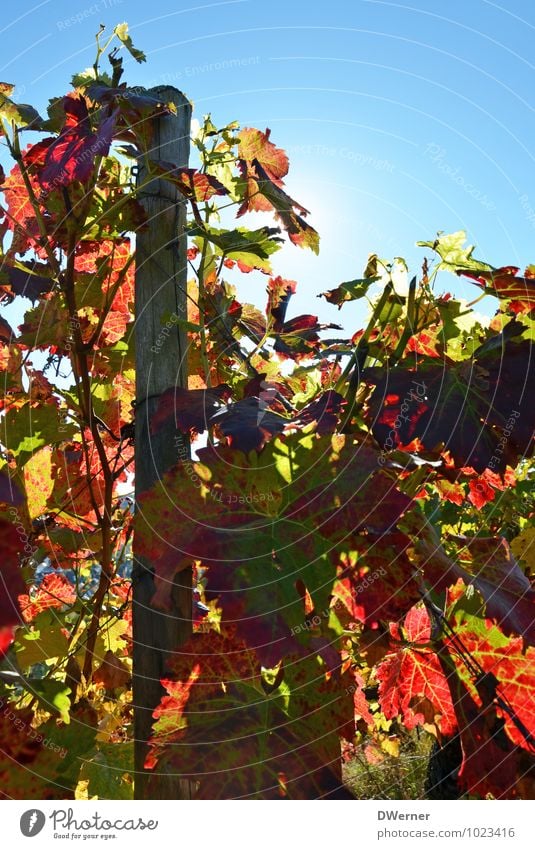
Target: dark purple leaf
x=29, y=284
x=325, y=411
x=9, y=491
x=249, y=424
x=193, y=409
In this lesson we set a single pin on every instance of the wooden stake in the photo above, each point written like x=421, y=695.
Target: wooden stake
x=160, y=300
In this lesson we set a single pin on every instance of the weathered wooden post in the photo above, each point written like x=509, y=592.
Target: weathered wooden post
x=160, y=299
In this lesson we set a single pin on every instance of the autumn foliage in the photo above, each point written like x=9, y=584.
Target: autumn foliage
x=357, y=509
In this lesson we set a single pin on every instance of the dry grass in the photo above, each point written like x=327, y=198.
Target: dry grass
x=400, y=777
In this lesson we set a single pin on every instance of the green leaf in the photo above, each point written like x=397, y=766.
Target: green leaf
x=109, y=772
x=251, y=247
x=45, y=643
x=53, y=696
x=21, y=114
x=350, y=291
x=27, y=429
x=73, y=742
x=121, y=31
x=453, y=254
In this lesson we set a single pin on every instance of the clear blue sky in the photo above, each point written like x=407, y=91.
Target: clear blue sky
x=400, y=120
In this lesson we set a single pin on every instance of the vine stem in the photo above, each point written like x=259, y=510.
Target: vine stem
x=81, y=372
x=363, y=341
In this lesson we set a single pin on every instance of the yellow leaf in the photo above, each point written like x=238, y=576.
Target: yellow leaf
x=38, y=481
x=390, y=745
x=523, y=547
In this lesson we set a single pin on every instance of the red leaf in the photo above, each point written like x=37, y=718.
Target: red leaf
x=279, y=293
x=113, y=256
x=492, y=762
x=254, y=144
x=480, y=492
x=511, y=665
x=72, y=155
x=55, y=591
x=507, y=285
x=362, y=709
x=447, y=491
x=190, y=182
x=411, y=678
x=7, y=638
x=21, y=219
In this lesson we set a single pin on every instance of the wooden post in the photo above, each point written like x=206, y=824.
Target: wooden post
x=160, y=299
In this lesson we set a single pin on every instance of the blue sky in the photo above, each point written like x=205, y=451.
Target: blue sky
x=400, y=119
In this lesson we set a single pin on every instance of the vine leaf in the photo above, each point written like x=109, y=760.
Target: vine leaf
x=249, y=248
x=248, y=423
x=121, y=31
x=21, y=114
x=11, y=582
x=375, y=580
x=465, y=409
x=21, y=219
x=487, y=564
x=263, y=166
x=31, y=283
x=497, y=759
x=38, y=764
x=299, y=337
x=192, y=409
x=9, y=491
x=286, y=518
x=252, y=741
x=102, y=268
x=411, y=682
x=255, y=144
x=191, y=183
x=352, y=290
x=287, y=210
x=54, y=592
x=509, y=597
x=279, y=293
x=504, y=283
x=454, y=256
x=324, y=412
x=112, y=673
x=72, y=155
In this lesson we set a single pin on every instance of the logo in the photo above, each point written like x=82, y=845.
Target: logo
x=32, y=822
